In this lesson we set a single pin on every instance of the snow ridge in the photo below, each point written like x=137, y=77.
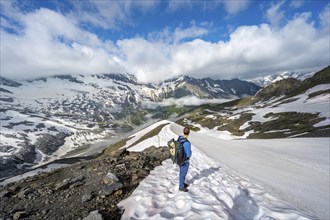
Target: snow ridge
x=215, y=192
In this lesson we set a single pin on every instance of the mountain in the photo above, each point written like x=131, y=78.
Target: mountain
x=45, y=118
x=264, y=81
x=207, y=88
x=286, y=108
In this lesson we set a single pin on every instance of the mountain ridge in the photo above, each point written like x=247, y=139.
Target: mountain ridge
x=47, y=117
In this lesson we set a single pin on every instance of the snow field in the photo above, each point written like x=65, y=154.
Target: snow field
x=215, y=192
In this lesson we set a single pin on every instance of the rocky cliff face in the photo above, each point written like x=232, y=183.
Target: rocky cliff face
x=88, y=188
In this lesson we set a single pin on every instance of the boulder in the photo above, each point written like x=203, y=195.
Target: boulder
x=86, y=197
x=4, y=193
x=109, y=189
x=95, y=215
x=110, y=178
x=20, y=214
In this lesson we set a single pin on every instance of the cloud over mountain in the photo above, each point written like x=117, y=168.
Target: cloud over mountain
x=47, y=42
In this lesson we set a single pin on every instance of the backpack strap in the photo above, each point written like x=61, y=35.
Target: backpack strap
x=183, y=140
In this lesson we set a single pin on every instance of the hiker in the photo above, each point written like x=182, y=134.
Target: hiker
x=187, y=152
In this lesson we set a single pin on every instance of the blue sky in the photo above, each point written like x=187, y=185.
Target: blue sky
x=157, y=40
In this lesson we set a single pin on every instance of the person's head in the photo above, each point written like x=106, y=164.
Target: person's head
x=186, y=131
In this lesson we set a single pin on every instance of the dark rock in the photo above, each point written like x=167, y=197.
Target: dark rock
x=48, y=143
x=9, y=99
x=76, y=184
x=5, y=90
x=119, y=153
x=14, y=189
x=4, y=193
x=121, y=166
x=25, y=192
x=109, y=189
x=7, y=148
x=78, y=179
x=54, y=195
x=26, y=154
x=110, y=178
x=9, y=82
x=20, y=214
x=40, y=125
x=62, y=186
x=95, y=215
x=86, y=197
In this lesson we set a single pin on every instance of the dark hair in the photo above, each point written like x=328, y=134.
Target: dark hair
x=186, y=131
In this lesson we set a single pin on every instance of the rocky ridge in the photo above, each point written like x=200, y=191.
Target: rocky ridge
x=86, y=190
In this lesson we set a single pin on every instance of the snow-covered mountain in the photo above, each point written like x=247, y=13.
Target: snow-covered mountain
x=264, y=81
x=286, y=108
x=47, y=117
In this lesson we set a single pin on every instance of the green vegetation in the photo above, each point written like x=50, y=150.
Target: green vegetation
x=167, y=111
x=136, y=117
x=116, y=146
x=322, y=92
x=287, y=101
x=222, y=122
x=150, y=134
x=183, y=122
x=233, y=125
x=277, y=89
x=285, y=124
x=321, y=77
x=247, y=101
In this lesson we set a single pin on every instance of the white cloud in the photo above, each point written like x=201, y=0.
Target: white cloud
x=296, y=3
x=52, y=43
x=191, y=32
x=109, y=14
x=325, y=18
x=180, y=34
x=233, y=7
x=250, y=51
x=230, y=6
x=175, y=5
x=274, y=15
x=191, y=100
x=40, y=50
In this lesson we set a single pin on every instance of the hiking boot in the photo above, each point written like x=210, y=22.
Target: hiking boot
x=186, y=185
x=183, y=189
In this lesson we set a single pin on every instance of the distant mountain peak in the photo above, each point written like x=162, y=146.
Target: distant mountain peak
x=264, y=81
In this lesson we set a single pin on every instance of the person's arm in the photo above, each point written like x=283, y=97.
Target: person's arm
x=187, y=149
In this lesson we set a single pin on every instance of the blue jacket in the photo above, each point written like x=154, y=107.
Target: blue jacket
x=186, y=146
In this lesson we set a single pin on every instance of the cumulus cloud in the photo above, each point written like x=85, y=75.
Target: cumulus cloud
x=52, y=43
x=250, y=51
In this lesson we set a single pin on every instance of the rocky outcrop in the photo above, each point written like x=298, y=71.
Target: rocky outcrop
x=48, y=143
x=23, y=159
x=85, y=190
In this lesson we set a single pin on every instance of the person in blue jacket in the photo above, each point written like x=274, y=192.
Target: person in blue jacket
x=184, y=167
